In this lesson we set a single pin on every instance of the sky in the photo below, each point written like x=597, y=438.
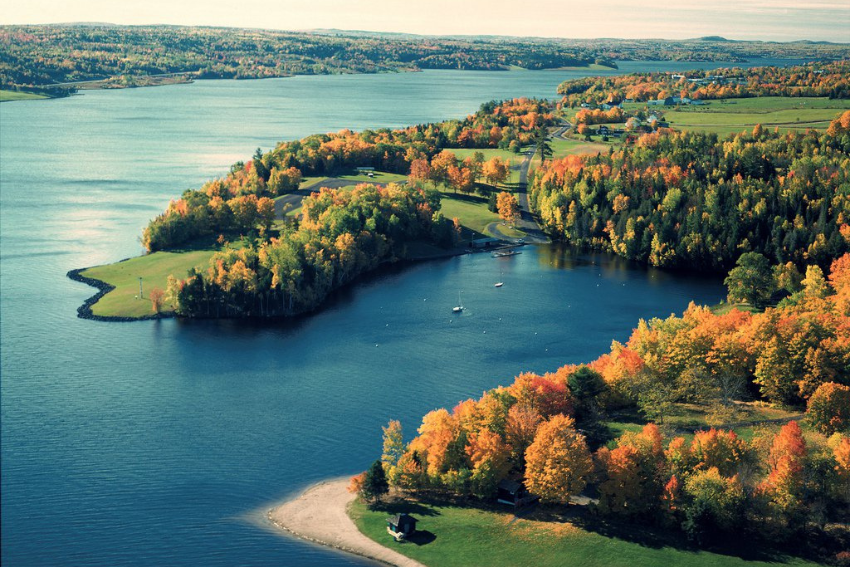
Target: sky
x=768, y=20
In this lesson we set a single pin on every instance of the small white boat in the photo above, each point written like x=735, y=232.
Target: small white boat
x=459, y=307
x=498, y=284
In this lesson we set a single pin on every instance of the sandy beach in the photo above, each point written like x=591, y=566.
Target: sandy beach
x=319, y=514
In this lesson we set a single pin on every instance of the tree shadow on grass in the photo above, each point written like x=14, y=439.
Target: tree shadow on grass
x=465, y=197
x=400, y=506
x=743, y=546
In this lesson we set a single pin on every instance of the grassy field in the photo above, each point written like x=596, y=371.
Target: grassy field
x=8, y=96
x=735, y=115
x=562, y=148
x=154, y=270
x=455, y=536
x=377, y=177
x=470, y=209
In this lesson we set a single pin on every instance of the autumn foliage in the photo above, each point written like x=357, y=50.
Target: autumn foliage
x=697, y=201
x=829, y=408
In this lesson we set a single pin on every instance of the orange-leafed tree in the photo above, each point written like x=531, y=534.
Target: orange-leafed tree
x=489, y=456
x=156, y=296
x=720, y=449
x=521, y=427
x=420, y=170
x=633, y=473
x=783, y=487
x=437, y=431
x=558, y=462
x=508, y=207
x=496, y=170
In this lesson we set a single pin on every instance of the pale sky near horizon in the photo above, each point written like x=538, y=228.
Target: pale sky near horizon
x=770, y=20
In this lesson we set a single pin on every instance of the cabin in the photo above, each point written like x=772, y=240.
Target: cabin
x=513, y=493
x=401, y=526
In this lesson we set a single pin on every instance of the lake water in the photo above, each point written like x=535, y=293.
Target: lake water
x=162, y=443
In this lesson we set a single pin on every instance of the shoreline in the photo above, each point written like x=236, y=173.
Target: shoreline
x=84, y=311
x=319, y=514
x=110, y=83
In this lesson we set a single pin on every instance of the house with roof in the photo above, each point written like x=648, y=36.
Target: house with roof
x=401, y=526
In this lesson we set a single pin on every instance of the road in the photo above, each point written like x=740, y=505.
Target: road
x=527, y=222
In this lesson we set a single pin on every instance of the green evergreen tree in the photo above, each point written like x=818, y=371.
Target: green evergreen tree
x=375, y=484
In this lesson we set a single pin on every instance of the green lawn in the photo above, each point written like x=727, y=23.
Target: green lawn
x=455, y=536
x=377, y=177
x=154, y=270
x=735, y=115
x=470, y=209
x=7, y=96
x=562, y=148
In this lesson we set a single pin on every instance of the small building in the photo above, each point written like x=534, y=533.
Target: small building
x=513, y=493
x=401, y=526
x=485, y=242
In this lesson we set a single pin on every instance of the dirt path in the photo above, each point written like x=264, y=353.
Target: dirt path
x=320, y=515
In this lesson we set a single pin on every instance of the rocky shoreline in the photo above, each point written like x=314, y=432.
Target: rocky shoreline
x=84, y=311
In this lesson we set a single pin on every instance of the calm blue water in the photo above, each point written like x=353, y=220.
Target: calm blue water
x=163, y=443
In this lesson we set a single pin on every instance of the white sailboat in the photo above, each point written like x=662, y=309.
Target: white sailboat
x=499, y=283
x=459, y=307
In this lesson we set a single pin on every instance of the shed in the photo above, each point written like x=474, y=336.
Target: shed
x=401, y=526
x=514, y=493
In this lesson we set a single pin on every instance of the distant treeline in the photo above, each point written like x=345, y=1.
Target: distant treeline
x=51, y=54
x=708, y=49
x=39, y=55
x=831, y=80
x=696, y=201
x=242, y=200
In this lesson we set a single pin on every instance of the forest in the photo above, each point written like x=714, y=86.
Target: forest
x=826, y=79
x=242, y=200
x=551, y=432
x=341, y=235
x=697, y=201
x=32, y=57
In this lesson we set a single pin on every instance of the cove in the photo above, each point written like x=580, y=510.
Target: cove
x=154, y=442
